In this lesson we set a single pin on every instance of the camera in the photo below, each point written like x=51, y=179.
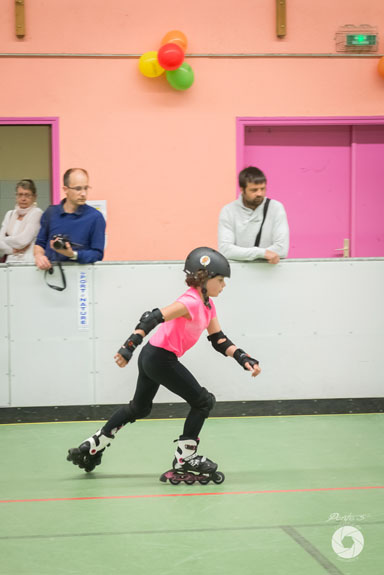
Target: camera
x=59, y=241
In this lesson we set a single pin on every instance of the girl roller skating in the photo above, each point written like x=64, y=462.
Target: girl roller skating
x=181, y=325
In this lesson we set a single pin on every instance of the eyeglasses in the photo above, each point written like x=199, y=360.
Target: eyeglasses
x=26, y=195
x=79, y=188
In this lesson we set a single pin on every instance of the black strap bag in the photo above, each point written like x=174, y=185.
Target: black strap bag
x=258, y=237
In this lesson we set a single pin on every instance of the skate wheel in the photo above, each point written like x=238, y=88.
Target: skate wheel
x=72, y=454
x=190, y=481
x=204, y=481
x=174, y=481
x=218, y=477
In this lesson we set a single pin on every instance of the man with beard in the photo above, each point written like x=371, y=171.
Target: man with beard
x=253, y=227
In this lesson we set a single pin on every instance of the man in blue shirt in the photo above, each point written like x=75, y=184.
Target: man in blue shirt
x=81, y=224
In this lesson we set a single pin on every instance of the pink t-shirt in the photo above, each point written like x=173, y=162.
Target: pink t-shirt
x=179, y=335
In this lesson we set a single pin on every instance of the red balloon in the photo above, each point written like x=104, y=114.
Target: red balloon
x=170, y=56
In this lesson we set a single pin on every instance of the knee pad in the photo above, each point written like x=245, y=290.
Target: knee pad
x=134, y=412
x=205, y=402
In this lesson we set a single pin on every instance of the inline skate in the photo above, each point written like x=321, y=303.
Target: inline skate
x=89, y=453
x=191, y=468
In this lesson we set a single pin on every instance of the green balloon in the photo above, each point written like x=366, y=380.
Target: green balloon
x=182, y=78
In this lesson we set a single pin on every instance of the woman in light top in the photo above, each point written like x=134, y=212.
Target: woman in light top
x=20, y=226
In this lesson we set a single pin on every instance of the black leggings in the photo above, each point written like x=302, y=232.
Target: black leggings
x=158, y=366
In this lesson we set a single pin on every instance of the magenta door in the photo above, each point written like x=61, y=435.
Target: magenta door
x=368, y=191
x=330, y=180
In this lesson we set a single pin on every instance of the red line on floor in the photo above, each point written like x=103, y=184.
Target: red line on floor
x=159, y=495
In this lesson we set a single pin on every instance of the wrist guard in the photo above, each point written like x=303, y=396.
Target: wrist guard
x=242, y=358
x=220, y=347
x=134, y=340
x=149, y=320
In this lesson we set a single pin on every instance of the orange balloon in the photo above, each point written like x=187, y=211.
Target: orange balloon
x=175, y=37
x=380, y=66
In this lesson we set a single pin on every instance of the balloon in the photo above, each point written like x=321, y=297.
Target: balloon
x=149, y=65
x=380, y=66
x=170, y=56
x=175, y=37
x=182, y=78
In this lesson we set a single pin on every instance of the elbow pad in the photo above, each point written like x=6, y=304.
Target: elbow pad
x=220, y=347
x=149, y=320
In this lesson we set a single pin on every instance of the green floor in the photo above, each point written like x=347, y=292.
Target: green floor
x=291, y=482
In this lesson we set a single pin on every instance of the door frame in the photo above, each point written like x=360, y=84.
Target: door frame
x=243, y=122
x=55, y=164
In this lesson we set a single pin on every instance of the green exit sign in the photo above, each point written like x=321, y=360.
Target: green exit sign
x=361, y=40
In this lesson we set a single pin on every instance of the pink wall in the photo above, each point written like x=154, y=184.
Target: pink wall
x=166, y=160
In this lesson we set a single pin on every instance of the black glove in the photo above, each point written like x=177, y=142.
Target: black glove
x=126, y=351
x=242, y=358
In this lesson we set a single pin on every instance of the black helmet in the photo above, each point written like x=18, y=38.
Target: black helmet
x=209, y=260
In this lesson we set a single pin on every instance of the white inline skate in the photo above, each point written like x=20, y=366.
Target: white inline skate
x=89, y=453
x=189, y=467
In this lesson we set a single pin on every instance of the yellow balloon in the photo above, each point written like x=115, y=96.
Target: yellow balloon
x=149, y=66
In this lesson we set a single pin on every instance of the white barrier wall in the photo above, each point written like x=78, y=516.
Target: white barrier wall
x=315, y=325
x=4, y=341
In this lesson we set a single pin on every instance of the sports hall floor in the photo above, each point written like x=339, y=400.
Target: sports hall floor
x=291, y=484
